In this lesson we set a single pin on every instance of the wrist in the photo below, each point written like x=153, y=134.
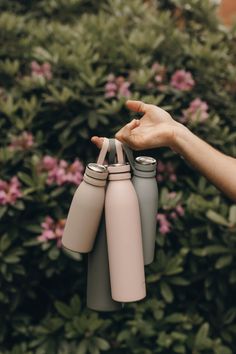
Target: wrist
x=180, y=135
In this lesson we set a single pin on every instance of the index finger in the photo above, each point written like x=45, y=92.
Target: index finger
x=137, y=106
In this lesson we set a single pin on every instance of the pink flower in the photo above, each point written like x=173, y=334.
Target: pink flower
x=160, y=166
x=164, y=228
x=159, y=73
x=173, y=215
x=10, y=191
x=169, y=167
x=165, y=225
x=173, y=177
x=110, y=89
x=43, y=70
x=196, y=110
x=158, y=78
x=182, y=80
x=123, y=90
x=22, y=142
x=179, y=209
x=160, y=178
x=52, y=230
x=117, y=87
x=60, y=172
x=166, y=171
x=49, y=162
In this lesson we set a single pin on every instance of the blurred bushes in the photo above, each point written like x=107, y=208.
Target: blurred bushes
x=66, y=69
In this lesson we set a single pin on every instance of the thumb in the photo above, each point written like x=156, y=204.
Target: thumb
x=97, y=141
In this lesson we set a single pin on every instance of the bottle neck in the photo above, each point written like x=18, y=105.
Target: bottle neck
x=94, y=181
x=145, y=174
x=119, y=176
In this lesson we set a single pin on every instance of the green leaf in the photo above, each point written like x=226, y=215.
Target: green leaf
x=215, y=249
x=153, y=278
x=33, y=228
x=83, y=347
x=63, y=309
x=102, y=344
x=223, y=261
x=5, y=242
x=166, y=292
x=54, y=253
x=178, y=348
x=75, y=304
x=202, y=341
x=26, y=179
x=232, y=214
x=3, y=210
x=11, y=259
x=176, y=318
x=217, y=218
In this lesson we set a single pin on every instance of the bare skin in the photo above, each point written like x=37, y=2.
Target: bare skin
x=157, y=128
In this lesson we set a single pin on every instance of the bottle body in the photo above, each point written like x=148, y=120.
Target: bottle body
x=147, y=193
x=83, y=218
x=124, y=241
x=98, y=276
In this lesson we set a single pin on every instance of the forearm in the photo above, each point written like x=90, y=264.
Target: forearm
x=218, y=168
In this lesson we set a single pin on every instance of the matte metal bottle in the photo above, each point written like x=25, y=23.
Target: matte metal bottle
x=98, y=276
x=124, y=236
x=145, y=184
x=86, y=207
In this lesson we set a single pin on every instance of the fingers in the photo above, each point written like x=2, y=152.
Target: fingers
x=136, y=106
x=97, y=141
x=124, y=133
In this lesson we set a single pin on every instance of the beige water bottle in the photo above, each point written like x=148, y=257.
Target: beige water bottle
x=124, y=237
x=86, y=207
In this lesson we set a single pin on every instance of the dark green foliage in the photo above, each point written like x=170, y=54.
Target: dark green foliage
x=190, y=305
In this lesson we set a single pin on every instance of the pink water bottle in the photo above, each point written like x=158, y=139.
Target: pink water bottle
x=124, y=235
x=86, y=207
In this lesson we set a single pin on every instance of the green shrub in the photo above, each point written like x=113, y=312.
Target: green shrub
x=57, y=59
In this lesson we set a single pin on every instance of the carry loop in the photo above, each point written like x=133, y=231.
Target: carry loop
x=103, y=151
x=119, y=152
x=112, y=151
x=129, y=155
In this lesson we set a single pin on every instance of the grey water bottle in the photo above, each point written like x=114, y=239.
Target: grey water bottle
x=145, y=184
x=98, y=277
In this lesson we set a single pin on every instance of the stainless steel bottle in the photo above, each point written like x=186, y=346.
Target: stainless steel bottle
x=98, y=276
x=124, y=236
x=145, y=184
x=86, y=207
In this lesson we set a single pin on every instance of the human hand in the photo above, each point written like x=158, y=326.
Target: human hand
x=156, y=128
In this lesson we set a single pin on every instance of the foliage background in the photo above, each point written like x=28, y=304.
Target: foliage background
x=190, y=307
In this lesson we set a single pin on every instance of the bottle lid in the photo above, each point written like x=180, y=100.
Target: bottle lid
x=145, y=160
x=145, y=163
x=96, y=167
x=119, y=168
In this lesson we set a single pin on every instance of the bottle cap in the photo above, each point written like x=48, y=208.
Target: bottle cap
x=119, y=168
x=96, y=171
x=97, y=167
x=145, y=160
x=145, y=163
